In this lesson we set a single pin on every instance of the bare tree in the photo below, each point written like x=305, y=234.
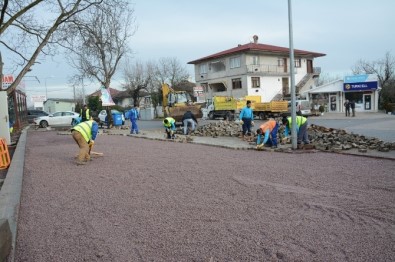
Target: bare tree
x=24, y=37
x=99, y=40
x=385, y=71
x=169, y=70
x=138, y=77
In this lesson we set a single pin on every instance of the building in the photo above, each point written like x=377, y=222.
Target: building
x=362, y=89
x=53, y=105
x=255, y=69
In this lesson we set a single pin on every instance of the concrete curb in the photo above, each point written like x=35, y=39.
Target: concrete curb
x=10, y=194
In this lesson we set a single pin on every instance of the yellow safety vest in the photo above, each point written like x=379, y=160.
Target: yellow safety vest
x=85, y=128
x=300, y=120
x=170, y=121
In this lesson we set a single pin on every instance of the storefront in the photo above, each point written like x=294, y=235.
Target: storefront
x=362, y=89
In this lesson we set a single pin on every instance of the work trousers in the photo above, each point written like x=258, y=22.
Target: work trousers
x=83, y=155
x=302, y=134
x=246, y=125
x=186, y=122
x=347, y=111
x=353, y=111
x=273, y=137
x=134, y=128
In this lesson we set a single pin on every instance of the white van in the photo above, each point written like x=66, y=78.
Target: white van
x=302, y=106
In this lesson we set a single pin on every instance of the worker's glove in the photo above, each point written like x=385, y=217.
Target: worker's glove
x=252, y=123
x=241, y=122
x=91, y=143
x=260, y=146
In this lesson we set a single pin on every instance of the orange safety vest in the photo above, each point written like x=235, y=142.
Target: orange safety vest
x=271, y=124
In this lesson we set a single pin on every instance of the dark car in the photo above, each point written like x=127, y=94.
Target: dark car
x=31, y=114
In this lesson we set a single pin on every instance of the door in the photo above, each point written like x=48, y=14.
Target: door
x=367, y=102
x=310, y=66
x=333, y=103
x=285, y=83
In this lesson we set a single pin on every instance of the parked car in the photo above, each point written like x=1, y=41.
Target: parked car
x=302, y=107
x=63, y=118
x=33, y=113
x=103, y=115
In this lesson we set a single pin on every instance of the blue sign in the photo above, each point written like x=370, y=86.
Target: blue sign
x=359, y=86
x=360, y=82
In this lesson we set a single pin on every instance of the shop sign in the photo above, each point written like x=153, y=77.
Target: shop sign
x=360, y=83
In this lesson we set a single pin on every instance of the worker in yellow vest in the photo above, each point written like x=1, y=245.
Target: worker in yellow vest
x=170, y=125
x=85, y=113
x=84, y=135
x=301, y=128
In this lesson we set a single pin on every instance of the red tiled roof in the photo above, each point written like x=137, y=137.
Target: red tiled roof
x=113, y=92
x=271, y=49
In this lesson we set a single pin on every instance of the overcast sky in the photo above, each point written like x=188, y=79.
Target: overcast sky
x=345, y=30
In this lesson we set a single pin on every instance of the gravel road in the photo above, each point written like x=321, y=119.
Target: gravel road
x=150, y=200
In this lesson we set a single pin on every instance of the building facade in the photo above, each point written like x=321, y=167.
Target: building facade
x=362, y=89
x=53, y=105
x=255, y=69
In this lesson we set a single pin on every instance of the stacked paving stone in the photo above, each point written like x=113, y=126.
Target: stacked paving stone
x=337, y=139
x=220, y=128
x=322, y=138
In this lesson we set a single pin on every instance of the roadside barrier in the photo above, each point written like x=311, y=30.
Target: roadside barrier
x=4, y=155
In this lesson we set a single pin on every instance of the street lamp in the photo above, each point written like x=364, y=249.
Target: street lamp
x=292, y=65
x=46, y=90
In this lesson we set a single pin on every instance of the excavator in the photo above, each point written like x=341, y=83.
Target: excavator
x=176, y=103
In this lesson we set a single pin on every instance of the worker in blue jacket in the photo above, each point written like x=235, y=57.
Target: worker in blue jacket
x=134, y=116
x=247, y=118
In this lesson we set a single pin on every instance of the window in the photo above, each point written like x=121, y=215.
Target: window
x=203, y=69
x=255, y=81
x=297, y=63
x=236, y=83
x=280, y=62
x=255, y=60
x=235, y=62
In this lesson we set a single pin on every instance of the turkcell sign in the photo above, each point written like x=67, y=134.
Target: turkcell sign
x=360, y=83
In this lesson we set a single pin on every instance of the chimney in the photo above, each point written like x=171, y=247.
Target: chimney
x=255, y=37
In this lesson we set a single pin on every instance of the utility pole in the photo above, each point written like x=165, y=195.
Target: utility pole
x=292, y=75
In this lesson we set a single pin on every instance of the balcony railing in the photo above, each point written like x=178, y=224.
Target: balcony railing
x=268, y=69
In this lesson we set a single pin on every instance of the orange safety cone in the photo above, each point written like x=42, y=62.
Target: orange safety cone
x=4, y=155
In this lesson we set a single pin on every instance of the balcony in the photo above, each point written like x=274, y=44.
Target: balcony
x=269, y=70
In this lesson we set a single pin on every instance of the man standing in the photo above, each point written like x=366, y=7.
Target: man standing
x=347, y=106
x=84, y=135
x=247, y=118
x=189, y=118
x=269, y=129
x=134, y=116
x=352, y=105
x=85, y=114
x=301, y=128
x=170, y=126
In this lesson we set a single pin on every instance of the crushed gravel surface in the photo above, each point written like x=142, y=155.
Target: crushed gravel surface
x=148, y=200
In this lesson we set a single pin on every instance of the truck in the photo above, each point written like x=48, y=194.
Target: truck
x=229, y=107
x=176, y=103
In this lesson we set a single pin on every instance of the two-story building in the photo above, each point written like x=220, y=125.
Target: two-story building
x=255, y=69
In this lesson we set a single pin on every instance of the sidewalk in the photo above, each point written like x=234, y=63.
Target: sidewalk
x=358, y=115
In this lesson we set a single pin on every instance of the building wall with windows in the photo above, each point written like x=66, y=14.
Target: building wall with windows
x=251, y=69
x=54, y=105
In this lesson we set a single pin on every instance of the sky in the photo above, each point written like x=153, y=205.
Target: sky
x=346, y=31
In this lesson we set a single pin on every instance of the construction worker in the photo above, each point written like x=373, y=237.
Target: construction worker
x=170, y=125
x=301, y=128
x=84, y=135
x=269, y=129
x=247, y=118
x=189, y=118
x=85, y=113
x=134, y=116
